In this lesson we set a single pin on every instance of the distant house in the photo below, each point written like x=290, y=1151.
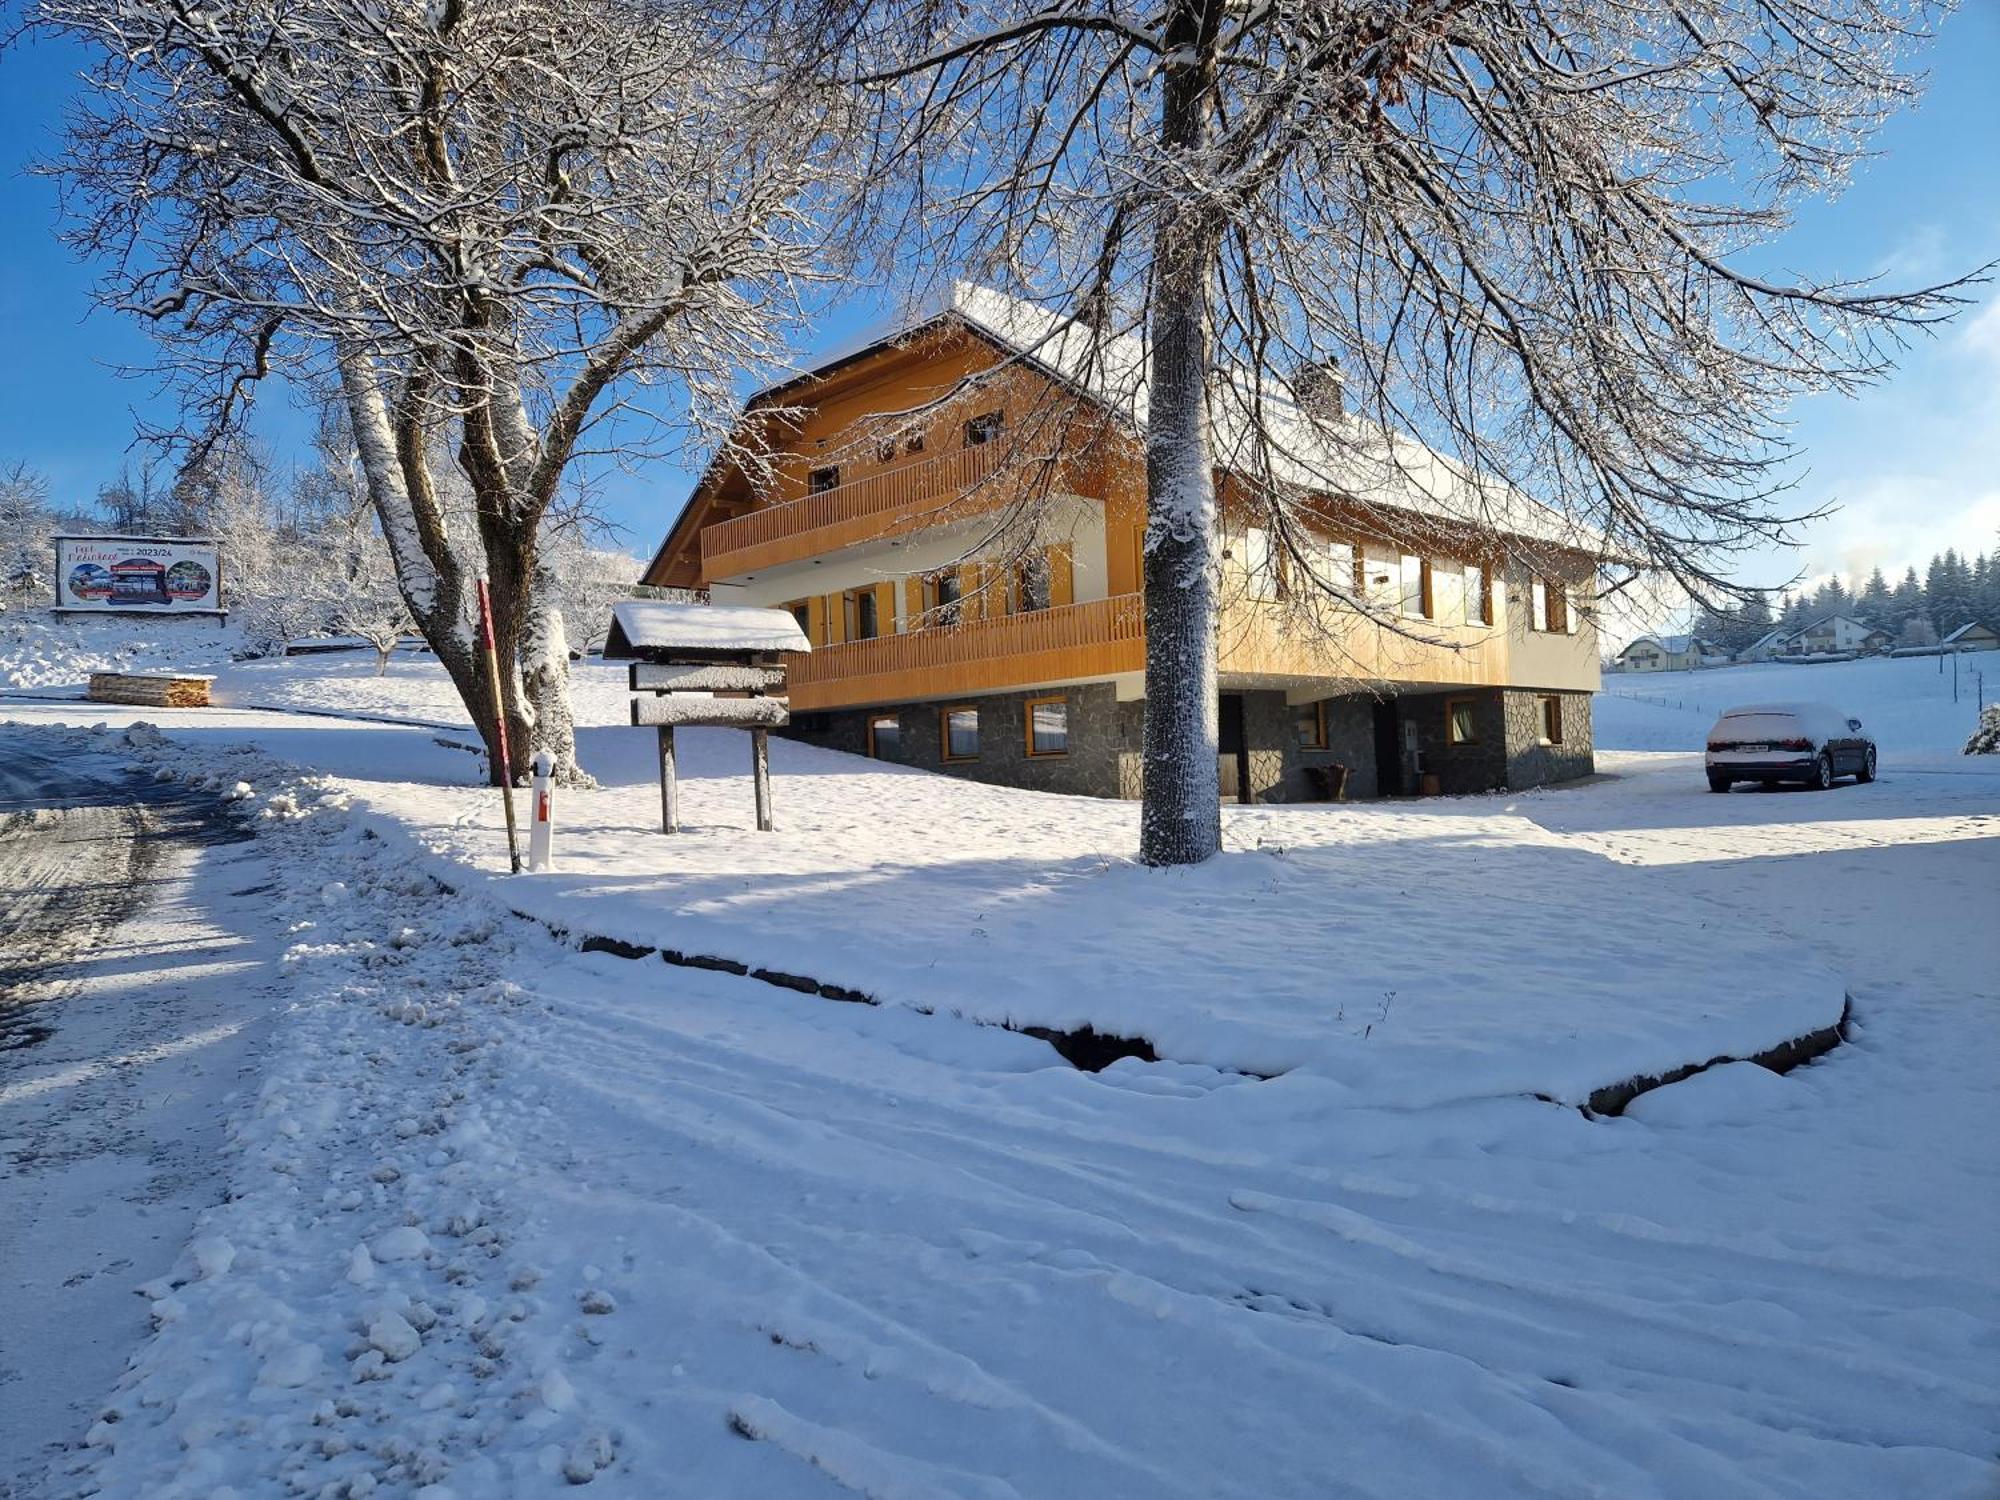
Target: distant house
x=1771, y=643
x=1837, y=634
x=1663, y=653
x=1972, y=636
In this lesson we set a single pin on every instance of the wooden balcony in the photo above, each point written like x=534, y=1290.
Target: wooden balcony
x=1076, y=641
x=1264, y=639
x=886, y=503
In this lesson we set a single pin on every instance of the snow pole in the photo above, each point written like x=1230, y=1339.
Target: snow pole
x=539, y=829
x=499, y=723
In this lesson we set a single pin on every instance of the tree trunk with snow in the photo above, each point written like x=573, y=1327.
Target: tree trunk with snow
x=1180, y=814
x=545, y=681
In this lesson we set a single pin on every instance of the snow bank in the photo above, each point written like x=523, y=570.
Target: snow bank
x=41, y=650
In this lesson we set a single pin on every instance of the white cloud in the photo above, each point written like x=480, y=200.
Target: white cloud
x=1981, y=336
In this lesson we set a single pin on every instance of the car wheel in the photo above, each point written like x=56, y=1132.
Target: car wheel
x=1867, y=771
x=1719, y=783
x=1822, y=776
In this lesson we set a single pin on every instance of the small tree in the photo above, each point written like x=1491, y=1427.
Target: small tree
x=1515, y=230
x=27, y=555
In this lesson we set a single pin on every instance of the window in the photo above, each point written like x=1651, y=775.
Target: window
x=985, y=428
x=958, y=733
x=1552, y=719
x=1379, y=580
x=885, y=737
x=802, y=612
x=885, y=451
x=1448, y=602
x=914, y=443
x=1033, y=583
x=821, y=480
x=1478, y=595
x=1048, y=726
x=948, y=589
x=1538, y=617
x=1309, y=725
x=1415, y=598
x=863, y=617
x=1461, y=723
x=1258, y=564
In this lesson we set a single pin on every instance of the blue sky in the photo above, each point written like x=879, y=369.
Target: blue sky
x=1914, y=465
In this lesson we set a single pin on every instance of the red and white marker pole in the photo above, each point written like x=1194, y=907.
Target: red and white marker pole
x=539, y=822
x=500, y=722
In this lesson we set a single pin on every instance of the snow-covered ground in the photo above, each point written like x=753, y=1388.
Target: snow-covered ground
x=1907, y=703
x=677, y=1232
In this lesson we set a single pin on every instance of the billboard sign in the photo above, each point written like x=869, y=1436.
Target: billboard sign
x=138, y=575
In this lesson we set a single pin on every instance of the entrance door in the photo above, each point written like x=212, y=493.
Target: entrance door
x=1388, y=750
x=1232, y=757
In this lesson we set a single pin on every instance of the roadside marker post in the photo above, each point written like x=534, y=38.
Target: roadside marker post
x=539, y=822
x=500, y=722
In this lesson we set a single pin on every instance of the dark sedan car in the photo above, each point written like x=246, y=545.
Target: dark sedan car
x=1809, y=743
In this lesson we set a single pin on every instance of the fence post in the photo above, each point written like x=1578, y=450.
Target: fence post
x=539, y=819
x=669, y=793
x=760, y=759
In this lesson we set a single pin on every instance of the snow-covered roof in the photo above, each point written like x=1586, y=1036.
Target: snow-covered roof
x=1331, y=454
x=1965, y=630
x=642, y=625
x=1838, y=615
x=1673, y=645
x=1769, y=638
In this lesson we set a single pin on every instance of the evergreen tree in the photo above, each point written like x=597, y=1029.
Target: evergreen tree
x=1875, y=604
x=1753, y=622
x=1906, y=602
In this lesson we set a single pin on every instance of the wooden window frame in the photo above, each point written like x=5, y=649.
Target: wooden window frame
x=914, y=443
x=873, y=720
x=1550, y=706
x=945, y=711
x=1450, y=704
x=1017, y=602
x=1318, y=741
x=1479, y=611
x=1028, y=726
x=987, y=427
x=814, y=487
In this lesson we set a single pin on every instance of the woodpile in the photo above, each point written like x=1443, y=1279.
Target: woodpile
x=150, y=690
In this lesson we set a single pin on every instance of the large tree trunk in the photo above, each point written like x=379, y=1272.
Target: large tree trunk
x=1180, y=815
x=545, y=680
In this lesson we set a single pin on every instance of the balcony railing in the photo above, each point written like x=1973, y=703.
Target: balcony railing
x=1097, y=639
x=875, y=505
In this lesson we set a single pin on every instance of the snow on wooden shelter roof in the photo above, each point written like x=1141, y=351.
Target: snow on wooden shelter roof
x=653, y=627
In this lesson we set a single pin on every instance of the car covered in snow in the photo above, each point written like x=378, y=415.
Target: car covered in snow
x=1810, y=743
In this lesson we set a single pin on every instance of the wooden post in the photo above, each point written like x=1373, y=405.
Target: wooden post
x=669, y=792
x=760, y=762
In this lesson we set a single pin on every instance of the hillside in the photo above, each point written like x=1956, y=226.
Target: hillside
x=1905, y=702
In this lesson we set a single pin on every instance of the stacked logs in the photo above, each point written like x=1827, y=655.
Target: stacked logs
x=149, y=691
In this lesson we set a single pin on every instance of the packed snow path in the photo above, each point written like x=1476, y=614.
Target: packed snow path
x=128, y=1000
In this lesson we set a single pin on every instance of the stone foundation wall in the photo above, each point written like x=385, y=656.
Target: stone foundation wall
x=1532, y=763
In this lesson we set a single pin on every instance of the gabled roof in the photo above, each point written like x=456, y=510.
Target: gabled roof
x=1673, y=645
x=642, y=625
x=1769, y=638
x=1337, y=455
x=1966, y=629
x=1842, y=614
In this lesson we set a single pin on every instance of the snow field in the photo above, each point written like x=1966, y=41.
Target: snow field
x=1904, y=702
x=1410, y=954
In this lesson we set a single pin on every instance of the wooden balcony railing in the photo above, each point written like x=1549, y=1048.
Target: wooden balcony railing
x=875, y=505
x=1097, y=639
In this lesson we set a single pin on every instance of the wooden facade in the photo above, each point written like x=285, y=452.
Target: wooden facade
x=899, y=542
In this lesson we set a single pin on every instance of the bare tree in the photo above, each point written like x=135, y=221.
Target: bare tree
x=1524, y=233
x=496, y=226
x=27, y=555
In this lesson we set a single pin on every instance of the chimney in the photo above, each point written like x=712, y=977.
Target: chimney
x=1318, y=389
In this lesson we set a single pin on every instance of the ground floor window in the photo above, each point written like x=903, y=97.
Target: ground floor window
x=1309, y=725
x=1048, y=726
x=958, y=732
x=1552, y=719
x=1461, y=722
x=885, y=737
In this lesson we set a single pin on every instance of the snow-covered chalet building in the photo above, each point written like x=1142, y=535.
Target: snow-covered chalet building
x=968, y=568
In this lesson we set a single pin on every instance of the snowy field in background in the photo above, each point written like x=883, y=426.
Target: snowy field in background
x=1904, y=702
x=504, y=1217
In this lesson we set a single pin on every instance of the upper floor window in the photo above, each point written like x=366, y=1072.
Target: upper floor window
x=863, y=614
x=821, y=480
x=1551, y=609
x=914, y=443
x=985, y=428
x=1033, y=583
x=1478, y=595
x=802, y=612
x=1415, y=599
x=948, y=589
